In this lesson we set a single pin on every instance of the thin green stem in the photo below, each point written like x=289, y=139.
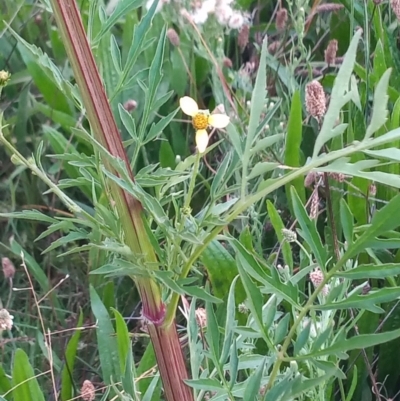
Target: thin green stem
x=192, y=183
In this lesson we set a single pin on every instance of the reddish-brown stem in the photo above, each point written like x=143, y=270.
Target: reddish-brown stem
x=104, y=128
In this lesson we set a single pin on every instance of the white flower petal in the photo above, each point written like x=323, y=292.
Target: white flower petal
x=188, y=106
x=218, y=120
x=201, y=140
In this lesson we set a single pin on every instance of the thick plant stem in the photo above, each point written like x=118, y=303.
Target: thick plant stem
x=170, y=362
x=164, y=336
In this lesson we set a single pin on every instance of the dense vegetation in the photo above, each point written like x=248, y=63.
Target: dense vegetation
x=221, y=222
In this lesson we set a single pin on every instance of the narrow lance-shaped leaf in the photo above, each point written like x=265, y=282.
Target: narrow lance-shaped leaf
x=292, y=146
x=337, y=101
x=379, y=111
x=371, y=271
x=358, y=342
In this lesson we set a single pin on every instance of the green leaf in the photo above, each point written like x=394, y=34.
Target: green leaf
x=308, y=230
x=115, y=54
x=34, y=215
x=347, y=220
x=204, y=384
x=221, y=269
x=301, y=385
x=128, y=121
x=282, y=329
x=257, y=99
x=167, y=278
x=293, y=145
x=219, y=180
x=353, y=385
x=123, y=339
x=367, y=301
x=233, y=364
x=25, y=385
x=157, y=129
x=253, y=385
x=234, y=137
x=361, y=341
x=302, y=338
x=5, y=384
x=379, y=110
x=47, y=77
x=67, y=387
x=230, y=323
x=384, y=220
x=254, y=301
x=271, y=282
x=338, y=96
x=139, y=36
x=123, y=8
x=262, y=168
x=212, y=334
x=200, y=293
x=371, y=271
x=265, y=143
x=388, y=153
x=278, y=225
x=106, y=340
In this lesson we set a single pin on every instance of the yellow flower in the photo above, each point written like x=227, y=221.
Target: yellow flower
x=201, y=119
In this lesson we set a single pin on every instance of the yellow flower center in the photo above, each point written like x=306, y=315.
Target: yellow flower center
x=200, y=121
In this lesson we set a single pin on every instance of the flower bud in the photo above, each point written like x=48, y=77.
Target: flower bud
x=5, y=76
x=8, y=268
x=130, y=105
x=315, y=99
x=173, y=37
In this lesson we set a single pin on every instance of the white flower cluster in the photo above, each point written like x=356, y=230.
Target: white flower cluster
x=223, y=11
x=6, y=320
